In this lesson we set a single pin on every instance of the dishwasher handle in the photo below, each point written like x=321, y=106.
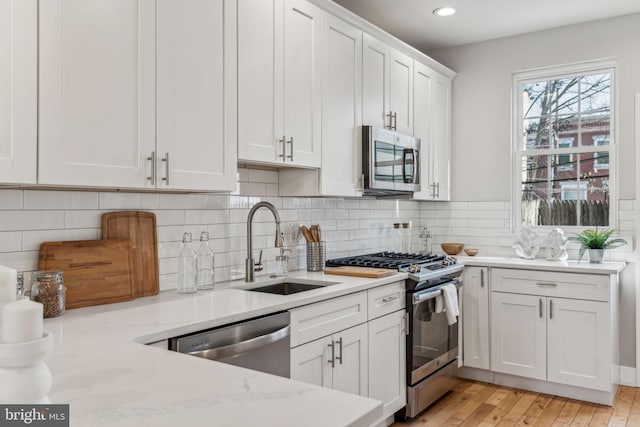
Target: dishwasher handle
x=242, y=347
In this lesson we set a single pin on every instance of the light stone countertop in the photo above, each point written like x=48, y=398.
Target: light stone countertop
x=102, y=369
x=542, y=264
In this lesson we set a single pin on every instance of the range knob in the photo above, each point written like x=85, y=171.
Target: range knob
x=450, y=260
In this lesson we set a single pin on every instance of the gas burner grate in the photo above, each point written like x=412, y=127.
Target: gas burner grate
x=389, y=260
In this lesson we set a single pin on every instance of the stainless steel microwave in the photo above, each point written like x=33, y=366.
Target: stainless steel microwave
x=390, y=162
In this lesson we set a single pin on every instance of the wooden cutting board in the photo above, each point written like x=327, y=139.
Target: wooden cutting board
x=140, y=229
x=360, y=271
x=95, y=271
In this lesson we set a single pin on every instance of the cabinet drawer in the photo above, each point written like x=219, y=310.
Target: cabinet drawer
x=547, y=283
x=327, y=317
x=386, y=299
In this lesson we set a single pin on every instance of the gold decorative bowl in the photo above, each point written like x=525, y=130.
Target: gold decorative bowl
x=452, y=248
x=470, y=252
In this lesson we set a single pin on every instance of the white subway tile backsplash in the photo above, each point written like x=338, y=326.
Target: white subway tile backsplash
x=11, y=199
x=83, y=219
x=206, y=217
x=183, y=201
x=263, y=176
x=31, y=220
x=117, y=201
x=31, y=240
x=170, y=217
x=40, y=199
x=10, y=241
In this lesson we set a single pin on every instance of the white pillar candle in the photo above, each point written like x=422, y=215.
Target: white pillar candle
x=21, y=322
x=8, y=284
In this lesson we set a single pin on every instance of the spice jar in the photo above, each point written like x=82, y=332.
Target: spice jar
x=48, y=289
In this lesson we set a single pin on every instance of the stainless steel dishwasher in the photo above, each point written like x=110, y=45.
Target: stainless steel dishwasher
x=261, y=344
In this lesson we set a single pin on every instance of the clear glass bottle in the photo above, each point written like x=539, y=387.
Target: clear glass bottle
x=205, y=263
x=406, y=237
x=397, y=237
x=187, y=267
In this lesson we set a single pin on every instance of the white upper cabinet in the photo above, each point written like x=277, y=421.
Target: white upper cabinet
x=341, y=108
x=137, y=94
x=18, y=91
x=97, y=92
x=432, y=124
x=279, y=104
x=387, y=84
x=196, y=100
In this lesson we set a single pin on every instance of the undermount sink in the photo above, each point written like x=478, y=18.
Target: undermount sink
x=290, y=286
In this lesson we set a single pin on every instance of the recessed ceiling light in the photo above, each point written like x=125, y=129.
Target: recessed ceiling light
x=444, y=11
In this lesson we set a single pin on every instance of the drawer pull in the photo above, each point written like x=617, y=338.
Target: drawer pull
x=389, y=298
x=550, y=309
x=548, y=284
x=540, y=307
x=333, y=354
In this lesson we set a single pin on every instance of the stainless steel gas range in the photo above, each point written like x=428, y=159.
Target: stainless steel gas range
x=432, y=344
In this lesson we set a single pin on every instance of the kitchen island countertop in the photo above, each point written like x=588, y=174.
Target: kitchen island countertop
x=101, y=367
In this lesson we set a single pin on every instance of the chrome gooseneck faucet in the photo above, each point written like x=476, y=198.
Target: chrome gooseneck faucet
x=249, y=263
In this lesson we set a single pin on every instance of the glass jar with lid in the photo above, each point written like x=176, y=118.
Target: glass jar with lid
x=48, y=289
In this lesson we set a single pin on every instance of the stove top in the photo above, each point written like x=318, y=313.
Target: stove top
x=421, y=267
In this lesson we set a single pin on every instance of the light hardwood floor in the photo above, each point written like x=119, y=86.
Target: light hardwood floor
x=483, y=405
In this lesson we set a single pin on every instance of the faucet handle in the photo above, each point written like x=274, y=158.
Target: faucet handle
x=258, y=266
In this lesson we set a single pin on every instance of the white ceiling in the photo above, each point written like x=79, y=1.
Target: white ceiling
x=477, y=20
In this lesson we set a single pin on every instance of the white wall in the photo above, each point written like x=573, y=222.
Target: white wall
x=482, y=98
x=482, y=116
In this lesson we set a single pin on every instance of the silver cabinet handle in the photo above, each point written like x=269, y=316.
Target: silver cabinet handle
x=340, y=357
x=548, y=284
x=540, y=307
x=152, y=178
x=282, y=143
x=482, y=278
x=244, y=346
x=166, y=168
x=433, y=190
x=390, y=298
x=333, y=354
x=390, y=115
x=290, y=156
x=406, y=323
x=550, y=309
x=437, y=184
x=395, y=121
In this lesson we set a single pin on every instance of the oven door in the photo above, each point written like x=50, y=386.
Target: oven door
x=392, y=160
x=431, y=342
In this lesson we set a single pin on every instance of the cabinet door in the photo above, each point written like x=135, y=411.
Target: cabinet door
x=96, y=92
x=18, y=91
x=196, y=94
x=579, y=343
x=260, y=83
x=518, y=335
x=422, y=82
x=351, y=367
x=375, y=82
x=475, y=319
x=341, y=108
x=401, y=91
x=302, y=84
x=311, y=363
x=387, y=362
x=441, y=139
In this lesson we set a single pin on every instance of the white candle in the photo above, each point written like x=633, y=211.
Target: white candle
x=21, y=322
x=8, y=286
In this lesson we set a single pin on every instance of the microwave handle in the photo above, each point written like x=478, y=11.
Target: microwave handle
x=409, y=153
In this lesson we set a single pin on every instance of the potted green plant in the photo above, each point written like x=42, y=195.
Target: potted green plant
x=596, y=242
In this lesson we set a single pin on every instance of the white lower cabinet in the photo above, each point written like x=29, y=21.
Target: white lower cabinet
x=338, y=361
x=387, y=361
x=337, y=345
x=475, y=317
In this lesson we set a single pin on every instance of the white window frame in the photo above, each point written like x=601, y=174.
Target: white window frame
x=520, y=77
x=565, y=141
x=597, y=141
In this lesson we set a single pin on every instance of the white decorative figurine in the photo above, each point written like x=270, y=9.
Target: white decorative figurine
x=528, y=245
x=556, y=245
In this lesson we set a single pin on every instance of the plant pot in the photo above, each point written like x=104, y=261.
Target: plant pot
x=596, y=255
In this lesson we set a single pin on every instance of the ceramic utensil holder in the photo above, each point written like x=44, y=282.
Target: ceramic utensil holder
x=24, y=376
x=316, y=255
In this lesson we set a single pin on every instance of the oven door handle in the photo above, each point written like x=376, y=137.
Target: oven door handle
x=428, y=294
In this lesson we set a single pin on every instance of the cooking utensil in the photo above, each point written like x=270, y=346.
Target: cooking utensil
x=360, y=271
x=95, y=271
x=140, y=228
x=306, y=233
